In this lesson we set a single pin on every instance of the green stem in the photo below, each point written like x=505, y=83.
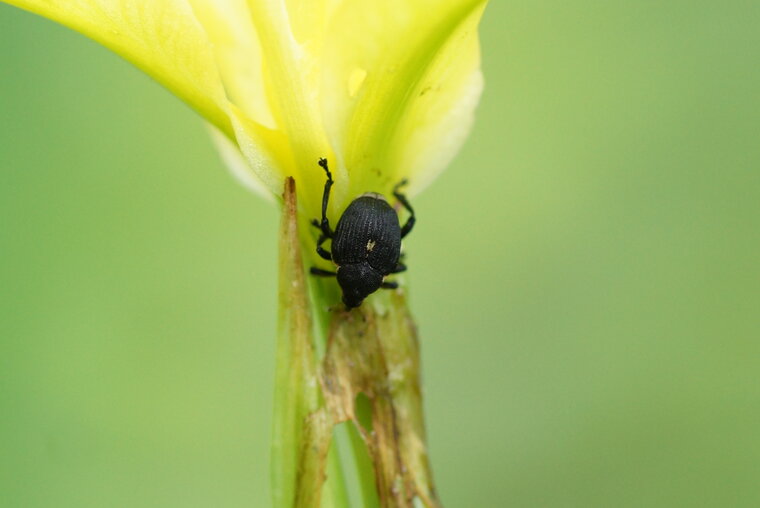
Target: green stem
x=364, y=468
x=365, y=376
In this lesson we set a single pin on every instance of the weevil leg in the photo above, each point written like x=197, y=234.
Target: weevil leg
x=402, y=199
x=323, y=253
x=324, y=226
x=389, y=285
x=400, y=267
x=322, y=273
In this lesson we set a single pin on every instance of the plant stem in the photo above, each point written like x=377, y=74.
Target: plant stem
x=366, y=376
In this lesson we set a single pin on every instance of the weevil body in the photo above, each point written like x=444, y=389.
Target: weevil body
x=366, y=244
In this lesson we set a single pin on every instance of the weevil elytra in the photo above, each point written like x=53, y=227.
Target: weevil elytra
x=366, y=244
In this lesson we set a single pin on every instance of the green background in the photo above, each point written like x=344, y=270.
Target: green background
x=585, y=276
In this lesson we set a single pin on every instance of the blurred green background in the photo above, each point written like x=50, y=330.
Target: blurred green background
x=585, y=275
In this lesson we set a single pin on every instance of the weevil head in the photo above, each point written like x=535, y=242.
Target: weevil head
x=358, y=281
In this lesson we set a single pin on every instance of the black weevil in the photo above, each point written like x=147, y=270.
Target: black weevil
x=366, y=245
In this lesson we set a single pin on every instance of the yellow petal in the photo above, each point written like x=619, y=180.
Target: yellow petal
x=161, y=37
x=238, y=164
x=441, y=111
x=238, y=54
x=400, y=82
x=292, y=78
x=266, y=151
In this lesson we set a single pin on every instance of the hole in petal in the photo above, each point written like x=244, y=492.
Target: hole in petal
x=363, y=410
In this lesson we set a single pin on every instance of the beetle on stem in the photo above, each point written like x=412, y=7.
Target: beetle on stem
x=366, y=244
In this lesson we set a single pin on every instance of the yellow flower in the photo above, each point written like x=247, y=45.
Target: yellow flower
x=385, y=89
